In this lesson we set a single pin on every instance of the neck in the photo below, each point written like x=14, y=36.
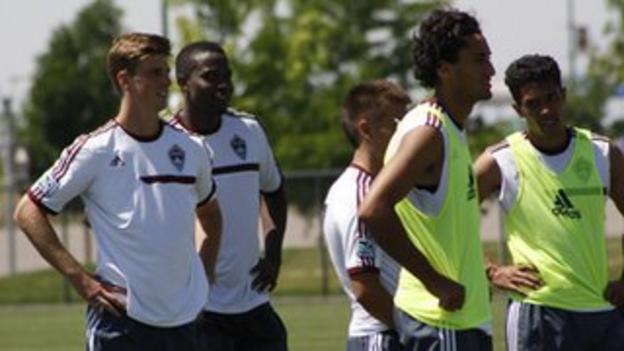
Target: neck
x=367, y=160
x=136, y=119
x=457, y=106
x=201, y=122
x=553, y=143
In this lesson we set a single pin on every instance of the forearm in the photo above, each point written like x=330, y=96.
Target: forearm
x=210, y=219
x=277, y=212
x=378, y=302
x=37, y=228
x=388, y=232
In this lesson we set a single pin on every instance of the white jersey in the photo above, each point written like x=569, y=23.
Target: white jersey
x=244, y=166
x=140, y=198
x=351, y=247
x=556, y=162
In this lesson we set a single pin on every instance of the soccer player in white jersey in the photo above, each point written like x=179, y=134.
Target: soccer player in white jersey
x=552, y=181
x=142, y=183
x=367, y=274
x=238, y=315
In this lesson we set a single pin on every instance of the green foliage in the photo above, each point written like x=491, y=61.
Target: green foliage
x=587, y=98
x=71, y=93
x=294, y=61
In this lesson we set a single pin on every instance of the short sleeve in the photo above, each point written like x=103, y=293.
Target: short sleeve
x=360, y=248
x=205, y=185
x=270, y=174
x=70, y=176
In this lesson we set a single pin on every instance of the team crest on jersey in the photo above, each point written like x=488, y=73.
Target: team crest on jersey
x=365, y=249
x=177, y=156
x=582, y=168
x=239, y=146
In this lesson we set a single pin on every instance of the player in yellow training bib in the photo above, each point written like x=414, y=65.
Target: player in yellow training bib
x=552, y=182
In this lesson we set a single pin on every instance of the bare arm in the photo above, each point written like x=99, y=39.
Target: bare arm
x=36, y=226
x=373, y=296
x=488, y=175
x=421, y=150
x=274, y=226
x=614, y=292
x=509, y=277
x=209, y=216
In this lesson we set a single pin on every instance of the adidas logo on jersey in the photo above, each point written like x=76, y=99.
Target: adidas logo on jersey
x=564, y=207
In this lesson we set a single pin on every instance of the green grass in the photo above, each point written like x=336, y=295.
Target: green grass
x=313, y=322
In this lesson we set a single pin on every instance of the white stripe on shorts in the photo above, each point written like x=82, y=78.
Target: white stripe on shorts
x=513, y=318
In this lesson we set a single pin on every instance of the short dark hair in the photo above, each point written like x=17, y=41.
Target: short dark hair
x=439, y=38
x=371, y=98
x=531, y=68
x=185, y=59
x=129, y=49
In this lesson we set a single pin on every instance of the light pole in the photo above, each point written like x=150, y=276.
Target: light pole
x=572, y=43
x=8, y=152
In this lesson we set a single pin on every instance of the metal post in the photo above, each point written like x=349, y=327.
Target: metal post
x=324, y=269
x=8, y=151
x=164, y=17
x=571, y=43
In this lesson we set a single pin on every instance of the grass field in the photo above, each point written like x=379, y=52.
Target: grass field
x=32, y=319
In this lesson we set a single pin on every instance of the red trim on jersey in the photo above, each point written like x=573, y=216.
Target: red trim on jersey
x=37, y=201
x=364, y=269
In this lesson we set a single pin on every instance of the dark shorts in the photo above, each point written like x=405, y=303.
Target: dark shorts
x=534, y=327
x=418, y=336
x=384, y=341
x=260, y=329
x=107, y=332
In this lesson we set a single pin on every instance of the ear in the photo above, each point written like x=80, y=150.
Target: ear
x=123, y=79
x=364, y=127
x=444, y=71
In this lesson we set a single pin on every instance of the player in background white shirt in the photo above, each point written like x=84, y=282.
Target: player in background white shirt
x=367, y=274
x=142, y=183
x=238, y=315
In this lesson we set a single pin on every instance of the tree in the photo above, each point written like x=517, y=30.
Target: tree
x=71, y=93
x=294, y=61
x=587, y=98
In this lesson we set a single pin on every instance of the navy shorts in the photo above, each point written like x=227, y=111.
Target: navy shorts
x=107, y=332
x=533, y=327
x=383, y=341
x=418, y=336
x=259, y=329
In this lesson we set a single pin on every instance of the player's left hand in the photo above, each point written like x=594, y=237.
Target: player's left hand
x=614, y=293
x=266, y=272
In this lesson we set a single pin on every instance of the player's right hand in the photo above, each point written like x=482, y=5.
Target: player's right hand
x=450, y=293
x=100, y=295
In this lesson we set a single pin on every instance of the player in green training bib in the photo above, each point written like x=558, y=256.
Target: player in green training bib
x=423, y=208
x=552, y=182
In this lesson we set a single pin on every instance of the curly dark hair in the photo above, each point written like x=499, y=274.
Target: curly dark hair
x=440, y=37
x=531, y=68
